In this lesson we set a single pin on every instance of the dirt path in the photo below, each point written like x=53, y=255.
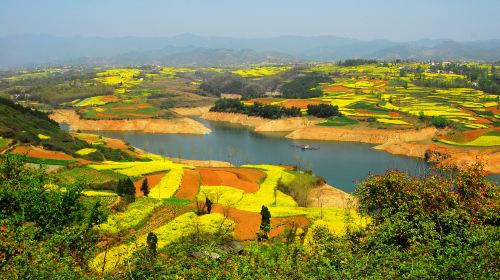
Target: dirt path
x=190, y=185
x=178, y=125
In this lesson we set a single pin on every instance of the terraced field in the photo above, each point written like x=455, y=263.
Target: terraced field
x=238, y=194
x=378, y=94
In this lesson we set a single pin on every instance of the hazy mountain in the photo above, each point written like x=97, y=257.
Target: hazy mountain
x=183, y=56
x=30, y=50
x=448, y=50
x=202, y=56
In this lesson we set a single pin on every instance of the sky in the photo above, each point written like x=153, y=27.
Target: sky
x=397, y=20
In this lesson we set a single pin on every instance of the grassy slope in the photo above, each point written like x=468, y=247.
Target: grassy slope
x=35, y=128
x=24, y=125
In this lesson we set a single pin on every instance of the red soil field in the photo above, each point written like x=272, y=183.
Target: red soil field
x=115, y=143
x=131, y=107
x=153, y=180
x=248, y=223
x=245, y=179
x=137, y=115
x=478, y=119
x=278, y=225
x=41, y=153
x=89, y=138
x=335, y=88
x=190, y=185
x=248, y=174
x=286, y=167
x=302, y=104
x=110, y=98
x=110, y=142
x=394, y=114
x=104, y=115
x=494, y=110
x=470, y=135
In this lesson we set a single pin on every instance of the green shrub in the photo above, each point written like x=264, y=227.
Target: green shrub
x=439, y=122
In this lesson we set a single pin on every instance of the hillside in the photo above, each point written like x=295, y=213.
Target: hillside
x=29, y=127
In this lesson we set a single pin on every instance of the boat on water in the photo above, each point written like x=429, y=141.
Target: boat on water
x=305, y=147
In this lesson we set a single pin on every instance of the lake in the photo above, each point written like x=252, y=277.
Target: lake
x=342, y=164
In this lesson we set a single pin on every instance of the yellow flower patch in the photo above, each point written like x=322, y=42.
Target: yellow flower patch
x=85, y=151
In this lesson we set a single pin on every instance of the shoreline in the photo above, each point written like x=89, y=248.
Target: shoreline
x=259, y=124
x=181, y=125
x=407, y=142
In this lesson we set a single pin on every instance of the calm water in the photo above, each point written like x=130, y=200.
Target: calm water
x=340, y=163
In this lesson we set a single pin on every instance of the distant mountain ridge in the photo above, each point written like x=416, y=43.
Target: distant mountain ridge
x=189, y=49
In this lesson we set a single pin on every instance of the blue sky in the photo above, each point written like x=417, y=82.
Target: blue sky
x=398, y=20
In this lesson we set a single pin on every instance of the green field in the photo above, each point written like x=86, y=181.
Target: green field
x=339, y=121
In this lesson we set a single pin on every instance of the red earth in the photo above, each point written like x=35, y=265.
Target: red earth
x=41, y=153
x=190, y=185
x=153, y=180
x=302, y=104
x=248, y=223
x=245, y=179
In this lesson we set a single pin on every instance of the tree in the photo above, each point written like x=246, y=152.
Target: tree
x=439, y=122
x=410, y=211
x=126, y=189
x=305, y=86
x=145, y=187
x=208, y=204
x=323, y=110
x=265, y=223
x=152, y=241
x=257, y=109
x=252, y=91
x=43, y=226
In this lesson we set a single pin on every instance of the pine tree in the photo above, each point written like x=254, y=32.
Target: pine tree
x=208, y=204
x=152, y=241
x=145, y=187
x=119, y=188
x=126, y=189
x=265, y=223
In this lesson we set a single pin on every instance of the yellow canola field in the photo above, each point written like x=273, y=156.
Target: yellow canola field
x=85, y=151
x=168, y=184
x=180, y=227
x=260, y=71
x=138, y=168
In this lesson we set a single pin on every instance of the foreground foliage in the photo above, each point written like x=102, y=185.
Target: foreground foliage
x=443, y=227
x=46, y=231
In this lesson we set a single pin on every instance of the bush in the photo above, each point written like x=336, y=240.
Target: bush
x=47, y=230
x=305, y=86
x=439, y=122
x=257, y=109
x=323, y=110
